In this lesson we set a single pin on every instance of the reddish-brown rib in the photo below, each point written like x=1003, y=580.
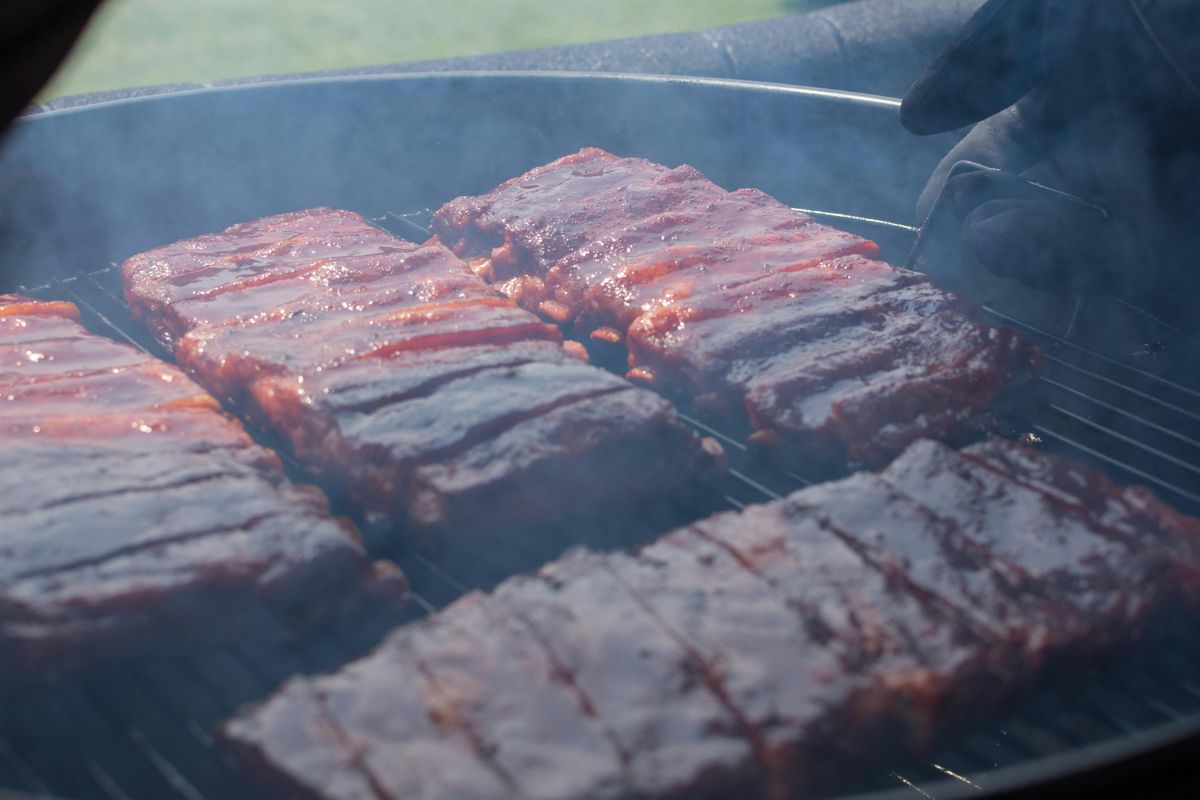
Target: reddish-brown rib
x=137, y=515
x=407, y=384
x=769, y=653
x=732, y=300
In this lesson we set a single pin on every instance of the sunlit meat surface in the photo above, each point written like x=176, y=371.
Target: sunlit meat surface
x=763, y=653
x=410, y=386
x=135, y=513
x=735, y=301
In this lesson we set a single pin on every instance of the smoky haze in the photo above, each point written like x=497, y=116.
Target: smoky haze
x=86, y=187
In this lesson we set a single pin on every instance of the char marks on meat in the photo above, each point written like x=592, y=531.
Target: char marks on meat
x=734, y=300
x=136, y=513
x=409, y=385
x=762, y=653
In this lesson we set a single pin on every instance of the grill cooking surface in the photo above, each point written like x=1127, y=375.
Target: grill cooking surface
x=143, y=730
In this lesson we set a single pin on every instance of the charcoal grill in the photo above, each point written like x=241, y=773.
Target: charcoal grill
x=83, y=188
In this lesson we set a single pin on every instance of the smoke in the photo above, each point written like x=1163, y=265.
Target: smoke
x=82, y=188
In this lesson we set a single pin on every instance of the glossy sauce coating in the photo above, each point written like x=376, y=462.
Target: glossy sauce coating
x=408, y=385
x=765, y=653
x=736, y=302
x=136, y=513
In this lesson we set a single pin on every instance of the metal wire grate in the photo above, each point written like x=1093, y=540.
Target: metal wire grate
x=144, y=729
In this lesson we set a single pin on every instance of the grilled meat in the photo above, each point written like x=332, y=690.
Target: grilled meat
x=410, y=386
x=733, y=300
x=761, y=653
x=136, y=513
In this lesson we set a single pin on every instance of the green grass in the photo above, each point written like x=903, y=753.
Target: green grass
x=140, y=42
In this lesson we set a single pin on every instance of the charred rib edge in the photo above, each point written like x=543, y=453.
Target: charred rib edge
x=152, y=487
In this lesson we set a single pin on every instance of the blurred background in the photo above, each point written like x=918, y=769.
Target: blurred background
x=144, y=42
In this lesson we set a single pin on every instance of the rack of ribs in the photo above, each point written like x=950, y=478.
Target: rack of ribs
x=736, y=302
x=136, y=513
x=434, y=404
x=762, y=653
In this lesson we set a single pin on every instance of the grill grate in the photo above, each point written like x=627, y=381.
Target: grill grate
x=143, y=729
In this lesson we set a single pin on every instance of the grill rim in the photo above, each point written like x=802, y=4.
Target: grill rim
x=566, y=77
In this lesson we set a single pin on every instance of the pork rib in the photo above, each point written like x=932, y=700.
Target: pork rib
x=410, y=386
x=136, y=513
x=762, y=653
x=733, y=300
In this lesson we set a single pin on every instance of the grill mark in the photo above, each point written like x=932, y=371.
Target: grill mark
x=506, y=335
x=41, y=339
x=582, y=698
x=232, y=259
x=473, y=737
x=494, y=428
x=733, y=552
x=535, y=331
x=247, y=283
x=1018, y=592
x=428, y=387
x=859, y=551
x=130, y=549
x=123, y=490
x=355, y=752
x=655, y=258
x=855, y=654
x=1137, y=548
x=809, y=382
x=1076, y=510
x=880, y=383
x=896, y=575
x=648, y=348
x=198, y=447
x=406, y=314
x=363, y=321
x=712, y=682
x=75, y=375
x=872, y=307
x=899, y=343
x=865, y=249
